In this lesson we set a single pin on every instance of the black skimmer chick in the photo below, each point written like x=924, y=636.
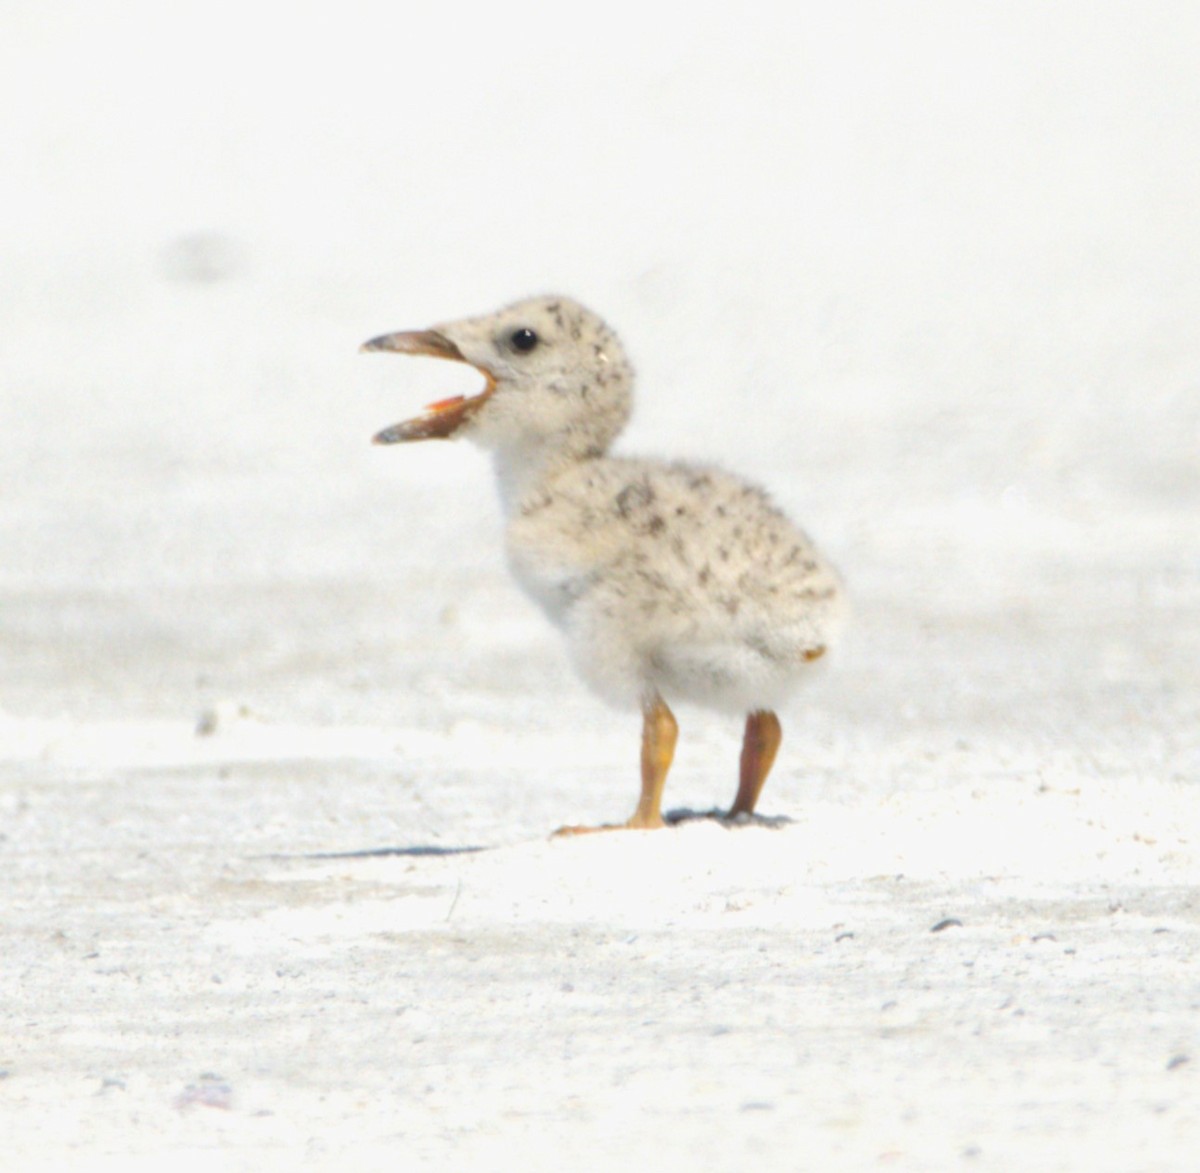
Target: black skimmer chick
x=669, y=581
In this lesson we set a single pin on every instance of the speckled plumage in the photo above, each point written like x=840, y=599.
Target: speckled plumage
x=673, y=578
x=670, y=581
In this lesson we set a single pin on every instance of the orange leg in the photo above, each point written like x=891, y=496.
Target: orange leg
x=660, y=731
x=759, y=747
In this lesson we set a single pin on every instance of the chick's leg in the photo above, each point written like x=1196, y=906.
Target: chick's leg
x=659, y=734
x=660, y=731
x=759, y=747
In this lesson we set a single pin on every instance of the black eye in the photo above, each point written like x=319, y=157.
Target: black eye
x=523, y=339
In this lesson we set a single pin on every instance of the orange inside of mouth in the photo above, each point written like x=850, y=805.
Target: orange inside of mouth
x=447, y=404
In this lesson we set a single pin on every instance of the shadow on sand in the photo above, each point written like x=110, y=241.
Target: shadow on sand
x=417, y=851
x=682, y=815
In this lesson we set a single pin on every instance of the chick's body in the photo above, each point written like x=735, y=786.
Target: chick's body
x=669, y=580
x=674, y=579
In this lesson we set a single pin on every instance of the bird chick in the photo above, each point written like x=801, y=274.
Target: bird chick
x=670, y=581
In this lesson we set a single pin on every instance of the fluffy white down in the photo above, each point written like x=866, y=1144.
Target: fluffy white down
x=675, y=578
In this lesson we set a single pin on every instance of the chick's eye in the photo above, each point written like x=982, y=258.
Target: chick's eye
x=523, y=339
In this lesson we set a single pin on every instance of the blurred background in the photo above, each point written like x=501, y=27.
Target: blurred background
x=930, y=272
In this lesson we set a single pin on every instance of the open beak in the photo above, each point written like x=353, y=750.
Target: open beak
x=441, y=419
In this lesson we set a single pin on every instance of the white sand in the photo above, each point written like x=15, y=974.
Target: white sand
x=280, y=743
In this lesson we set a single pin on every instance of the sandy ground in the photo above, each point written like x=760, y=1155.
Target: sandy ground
x=281, y=745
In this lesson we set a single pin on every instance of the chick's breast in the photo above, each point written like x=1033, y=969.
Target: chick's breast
x=672, y=553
